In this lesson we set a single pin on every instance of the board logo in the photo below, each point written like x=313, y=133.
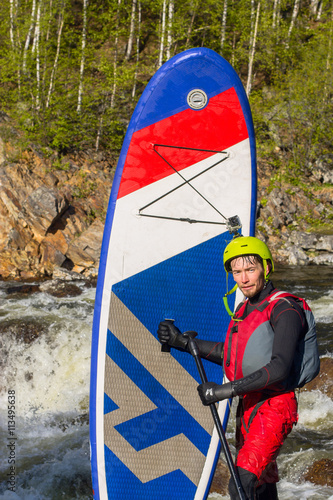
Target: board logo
x=197, y=99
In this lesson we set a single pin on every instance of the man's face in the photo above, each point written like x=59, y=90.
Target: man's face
x=249, y=275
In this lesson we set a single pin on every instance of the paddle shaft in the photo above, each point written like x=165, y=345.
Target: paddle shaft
x=193, y=348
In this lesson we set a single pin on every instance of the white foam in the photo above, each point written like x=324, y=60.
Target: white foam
x=51, y=374
x=315, y=410
x=323, y=308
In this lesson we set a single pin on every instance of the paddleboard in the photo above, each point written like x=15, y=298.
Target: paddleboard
x=187, y=166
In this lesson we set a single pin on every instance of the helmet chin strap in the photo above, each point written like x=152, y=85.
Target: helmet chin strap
x=266, y=265
x=225, y=300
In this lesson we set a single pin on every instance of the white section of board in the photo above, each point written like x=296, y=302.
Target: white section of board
x=138, y=242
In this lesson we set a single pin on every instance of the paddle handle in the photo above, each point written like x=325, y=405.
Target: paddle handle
x=166, y=347
x=193, y=348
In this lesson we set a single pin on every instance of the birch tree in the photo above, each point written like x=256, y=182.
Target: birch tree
x=12, y=23
x=162, y=35
x=15, y=39
x=56, y=59
x=253, y=14
x=169, y=34
x=115, y=59
x=276, y=13
x=37, y=48
x=224, y=23
x=329, y=56
x=293, y=20
x=28, y=37
x=190, y=27
x=83, y=55
x=253, y=39
x=131, y=34
x=137, y=50
x=316, y=7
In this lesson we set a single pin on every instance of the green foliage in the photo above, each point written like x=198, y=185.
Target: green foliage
x=40, y=76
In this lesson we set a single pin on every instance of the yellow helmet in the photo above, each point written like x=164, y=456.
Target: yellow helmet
x=247, y=245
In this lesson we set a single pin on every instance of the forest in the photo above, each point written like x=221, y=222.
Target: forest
x=72, y=71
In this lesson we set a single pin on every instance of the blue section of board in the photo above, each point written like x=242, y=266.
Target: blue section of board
x=109, y=405
x=154, y=105
x=169, y=96
x=151, y=490
x=188, y=288
x=199, y=68
x=157, y=425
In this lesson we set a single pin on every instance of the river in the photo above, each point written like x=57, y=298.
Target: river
x=44, y=394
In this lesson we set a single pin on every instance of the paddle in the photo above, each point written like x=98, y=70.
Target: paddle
x=193, y=348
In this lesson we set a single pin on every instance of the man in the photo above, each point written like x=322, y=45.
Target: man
x=261, y=357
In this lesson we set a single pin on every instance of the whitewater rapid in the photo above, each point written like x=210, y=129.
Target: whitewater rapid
x=50, y=377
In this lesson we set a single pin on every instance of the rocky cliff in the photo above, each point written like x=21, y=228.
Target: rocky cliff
x=295, y=214
x=52, y=213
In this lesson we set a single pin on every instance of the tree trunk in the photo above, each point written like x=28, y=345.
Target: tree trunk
x=131, y=34
x=170, y=21
x=253, y=13
x=12, y=23
x=160, y=58
x=327, y=88
x=49, y=22
x=252, y=52
x=100, y=124
x=293, y=20
x=27, y=40
x=319, y=12
x=189, y=31
x=276, y=13
x=37, y=48
x=115, y=59
x=137, y=49
x=55, y=64
x=224, y=23
x=83, y=50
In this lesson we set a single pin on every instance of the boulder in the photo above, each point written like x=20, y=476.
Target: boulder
x=321, y=472
x=26, y=331
x=42, y=208
x=325, y=259
x=221, y=479
x=53, y=250
x=323, y=381
x=84, y=251
x=325, y=243
x=60, y=288
x=295, y=255
x=323, y=170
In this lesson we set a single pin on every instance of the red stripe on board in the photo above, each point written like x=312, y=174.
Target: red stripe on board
x=218, y=126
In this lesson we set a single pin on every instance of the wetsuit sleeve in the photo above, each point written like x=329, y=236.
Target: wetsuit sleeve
x=289, y=325
x=212, y=351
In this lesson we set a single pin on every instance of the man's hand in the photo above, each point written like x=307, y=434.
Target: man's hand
x=212, y=393
x=169, y=334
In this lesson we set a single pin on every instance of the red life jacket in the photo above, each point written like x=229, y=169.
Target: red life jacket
x=249, y=343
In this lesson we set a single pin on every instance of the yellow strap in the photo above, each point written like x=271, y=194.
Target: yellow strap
x=225, y=299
